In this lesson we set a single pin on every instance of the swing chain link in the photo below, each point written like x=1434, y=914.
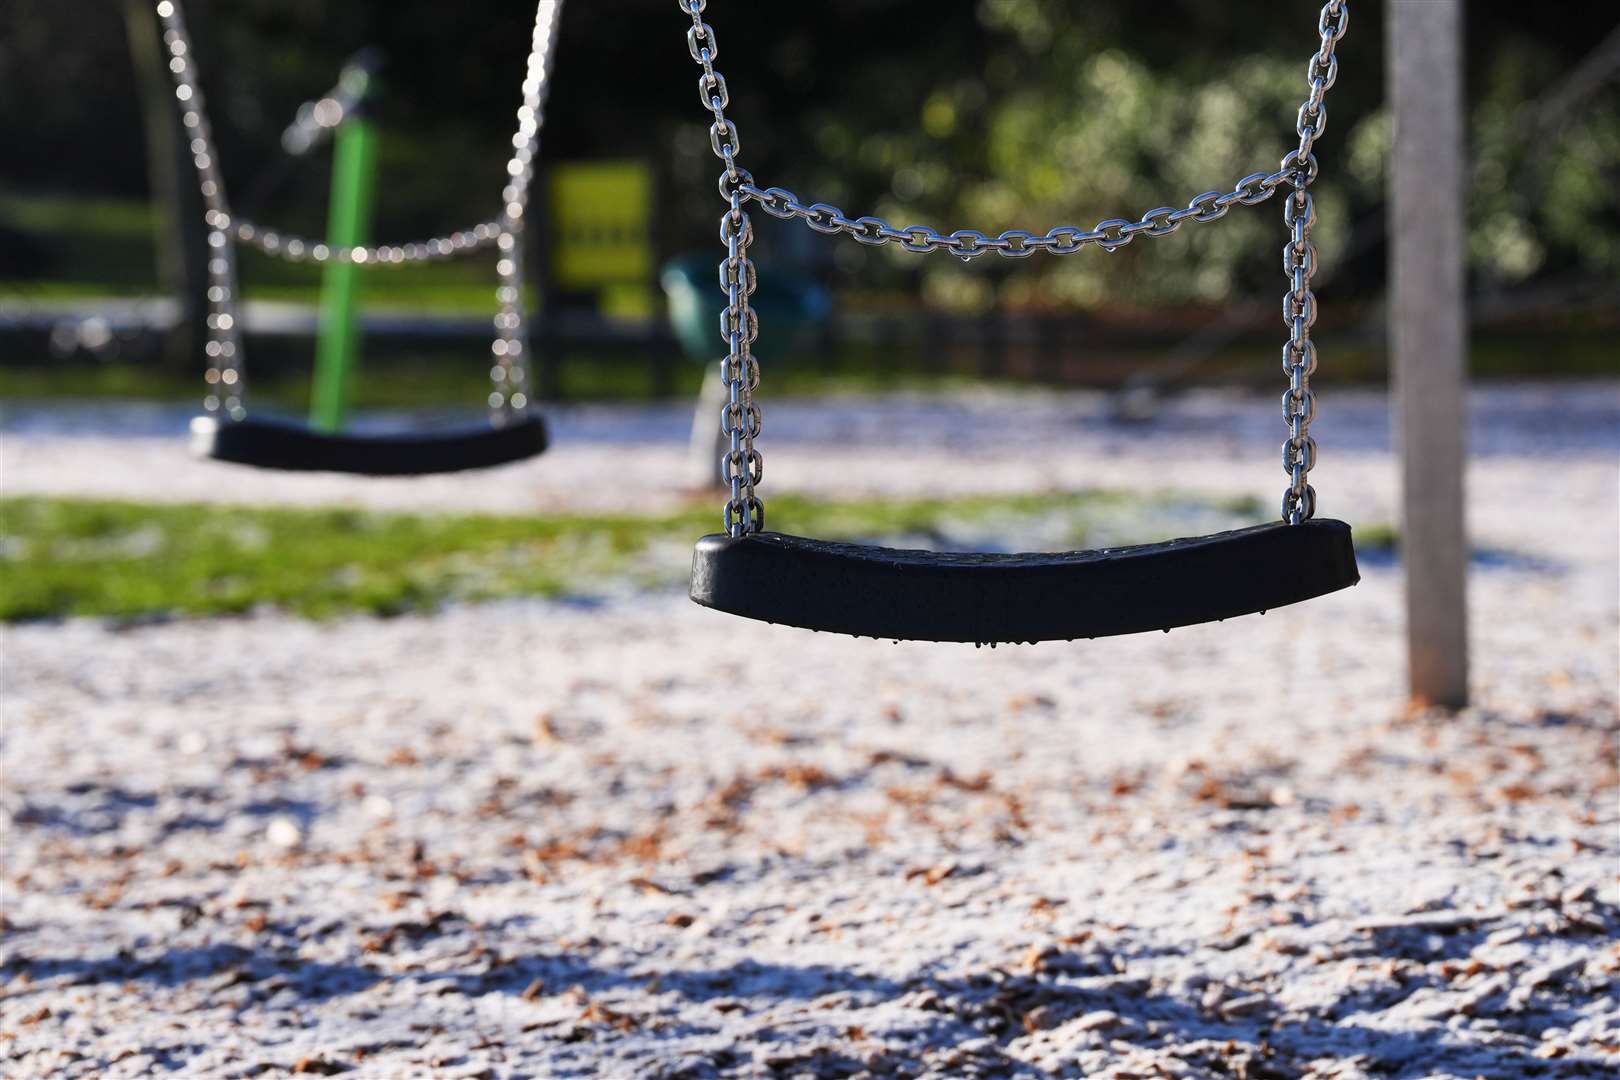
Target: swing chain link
x=1298, y=171
x=224, y=324
x=226, y=229
x=742, y=466
x=293, y=248
x=510, y=397
x=967, y=244
x=1299, y=357
x=1299, y=265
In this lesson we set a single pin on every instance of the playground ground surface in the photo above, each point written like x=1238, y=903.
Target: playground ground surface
x=612, y=834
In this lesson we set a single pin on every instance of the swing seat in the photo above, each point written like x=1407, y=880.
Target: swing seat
x=994, y=598
x=276, y=444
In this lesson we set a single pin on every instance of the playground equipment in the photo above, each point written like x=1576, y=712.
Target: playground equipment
x=790, y=304
x=227, y=433
x=991, y=598
x=354, y=187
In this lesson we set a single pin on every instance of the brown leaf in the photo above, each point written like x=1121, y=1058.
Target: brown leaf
x=597, y=1013
x=978, y=782
x=1040, y=1018
x=647, y=847
x=804, y=777
x=932, y=875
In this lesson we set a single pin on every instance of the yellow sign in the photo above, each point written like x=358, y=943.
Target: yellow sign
x=601, y=216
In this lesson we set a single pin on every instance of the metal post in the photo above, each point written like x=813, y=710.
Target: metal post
x=354, y=181
x=1428, y=338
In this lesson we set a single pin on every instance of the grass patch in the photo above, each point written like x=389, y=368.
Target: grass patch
x=1381, y=539
x=61, y=214
x=82, y=557
x=93, y=557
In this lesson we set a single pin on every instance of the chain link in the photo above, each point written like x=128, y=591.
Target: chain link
x=969, y=244
x=510, y=349
x=225, y=229
x=1299, y=265
x=224, y=345
x=294, y=248
x=742, y=465
x=1298, y=171
x=1299, y=357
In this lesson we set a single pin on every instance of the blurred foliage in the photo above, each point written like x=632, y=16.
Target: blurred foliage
x=1071, y=118
x=981, y=113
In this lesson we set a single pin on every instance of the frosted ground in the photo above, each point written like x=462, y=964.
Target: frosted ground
x=624, y=836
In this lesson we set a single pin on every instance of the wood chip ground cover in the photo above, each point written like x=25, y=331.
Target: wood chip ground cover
x=640, y=839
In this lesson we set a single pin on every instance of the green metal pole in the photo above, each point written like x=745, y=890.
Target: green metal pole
x=354, y=186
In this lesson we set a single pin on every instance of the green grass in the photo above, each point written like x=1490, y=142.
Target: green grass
x=66, y=214
x=81, y=557
x=1379, y=538
x=84, y=557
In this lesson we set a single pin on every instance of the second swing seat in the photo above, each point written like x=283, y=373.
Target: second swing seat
x=275, y=444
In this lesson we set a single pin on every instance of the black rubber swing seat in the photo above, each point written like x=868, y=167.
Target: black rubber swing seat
x=276, y=444
x=1004, y=598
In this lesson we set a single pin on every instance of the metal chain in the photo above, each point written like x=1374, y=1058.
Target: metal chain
x=1299, y=264
x=1298, y=169
x=295, y=248
x=225, y=377
x=1299, y=358
x=511, y=346
x=968, y=244
x=224, y=345
x=740, y=420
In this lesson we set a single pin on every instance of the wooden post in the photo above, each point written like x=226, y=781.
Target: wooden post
x=1428, y=338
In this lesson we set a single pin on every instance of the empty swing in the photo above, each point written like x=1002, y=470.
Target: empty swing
x=993, y=598
x=227, y=433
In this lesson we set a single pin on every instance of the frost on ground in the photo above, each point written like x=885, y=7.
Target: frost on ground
x=643, y=839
